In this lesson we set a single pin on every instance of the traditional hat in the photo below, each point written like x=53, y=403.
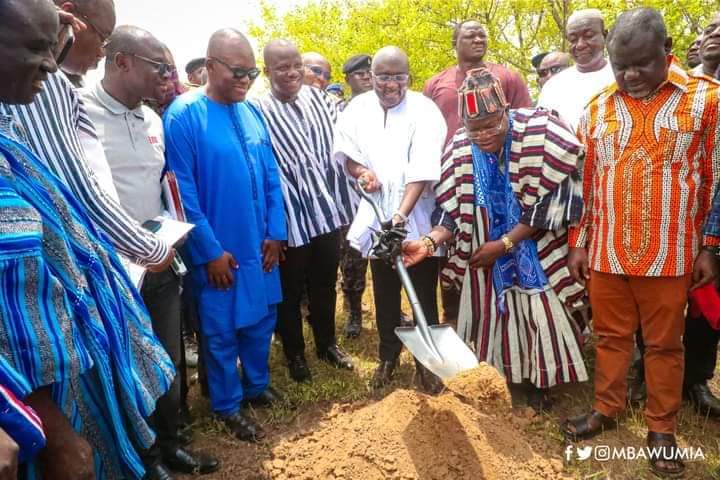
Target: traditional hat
x=480, y=95
x=357, y=62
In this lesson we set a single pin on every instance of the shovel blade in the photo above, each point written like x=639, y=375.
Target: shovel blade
x=451, y=355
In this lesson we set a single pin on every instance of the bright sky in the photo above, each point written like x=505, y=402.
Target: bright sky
x=186, y=25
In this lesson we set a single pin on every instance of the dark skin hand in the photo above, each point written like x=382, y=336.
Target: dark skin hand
x=66, y=455
x=8, y=457
x=220, y=270
x=272, y=254
x=578, y=265
x=487, y=254
x=705, y=269
x=165, y=264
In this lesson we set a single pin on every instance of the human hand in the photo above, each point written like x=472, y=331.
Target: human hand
x=67, y=18
x=369, y=182
x=486, y=254
x=414, y=252
x=578, y=265
x=9, y=451
x=272, y=251
x=220, y=270
x=165, y=264
x=705, y=269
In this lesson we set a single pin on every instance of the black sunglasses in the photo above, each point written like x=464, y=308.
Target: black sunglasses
x=163, y=69
x=239, y=72
x=544, y=72
x=319, y=71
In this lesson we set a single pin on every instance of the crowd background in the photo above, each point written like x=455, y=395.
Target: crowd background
x=423, y=28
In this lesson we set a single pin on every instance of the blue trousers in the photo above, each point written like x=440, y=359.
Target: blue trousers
x=252, y=346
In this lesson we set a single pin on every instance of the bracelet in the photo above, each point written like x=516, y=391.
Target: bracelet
x=507, y=242
x=430, y=245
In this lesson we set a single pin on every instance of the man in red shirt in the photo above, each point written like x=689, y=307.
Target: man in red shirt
x=470, y=43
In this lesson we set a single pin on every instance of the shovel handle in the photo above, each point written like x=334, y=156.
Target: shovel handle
x=369, y=199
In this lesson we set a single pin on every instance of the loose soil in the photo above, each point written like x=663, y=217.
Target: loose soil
x=410, y=435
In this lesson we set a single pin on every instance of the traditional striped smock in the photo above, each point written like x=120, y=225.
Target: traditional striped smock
x=536, y=334
x=315, y=188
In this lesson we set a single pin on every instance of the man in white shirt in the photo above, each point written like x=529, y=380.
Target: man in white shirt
x=569, y=91
x=132, y=138
x=392, y=139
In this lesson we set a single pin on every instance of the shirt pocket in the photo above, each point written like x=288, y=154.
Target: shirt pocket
x=678, y=135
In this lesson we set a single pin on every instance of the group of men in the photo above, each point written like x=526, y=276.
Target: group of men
x=600, y=199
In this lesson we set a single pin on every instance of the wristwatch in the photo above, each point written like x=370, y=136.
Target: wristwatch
x=507, y=242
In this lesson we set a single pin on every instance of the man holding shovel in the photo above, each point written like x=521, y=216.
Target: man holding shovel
x=391, y=140
x=508, y=190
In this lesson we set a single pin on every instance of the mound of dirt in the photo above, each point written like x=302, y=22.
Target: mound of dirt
x=409, y=435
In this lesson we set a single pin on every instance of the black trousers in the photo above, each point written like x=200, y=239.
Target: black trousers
x=161, y=294
x=315, y=265
x=387, y=288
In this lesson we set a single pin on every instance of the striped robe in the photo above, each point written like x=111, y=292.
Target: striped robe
x=538, y=337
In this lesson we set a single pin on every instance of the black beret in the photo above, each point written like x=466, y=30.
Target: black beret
x=194, y=64
x=357, y=62
x=537, y=59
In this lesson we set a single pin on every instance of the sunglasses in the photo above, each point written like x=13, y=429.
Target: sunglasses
x=163, y=69
x=399, y=78
x=319, y=71
x=239, y=72
x=544, y=72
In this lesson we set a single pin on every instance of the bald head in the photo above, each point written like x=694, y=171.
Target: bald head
x=223, y=42
x=278, y=48
x=584, y=16
x=27, y=38
x=87, y=51
x=314, y=58
x=552, y=64
x=393, y=57
x=135, y=41
x=318, y=71
x=638, y=22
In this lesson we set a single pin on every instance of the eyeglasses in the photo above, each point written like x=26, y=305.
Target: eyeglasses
x=104, y=37
x=163, y=69
x=399, y=78
x=239, y=72
x=544, y=72
x=319, y=71
x=487, y=132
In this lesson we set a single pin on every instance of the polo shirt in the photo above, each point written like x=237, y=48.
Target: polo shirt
x=134, y=146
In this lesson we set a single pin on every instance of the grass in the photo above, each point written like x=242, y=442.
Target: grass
x=331, y=389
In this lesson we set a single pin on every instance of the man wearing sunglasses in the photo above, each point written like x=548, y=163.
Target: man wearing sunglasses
x=318, y=71
x=220, y=149
x=570, y=90
x=132, y=138
x=550, y=65
x=391, y=139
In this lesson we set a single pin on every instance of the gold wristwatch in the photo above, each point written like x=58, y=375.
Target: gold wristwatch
x=507, y=242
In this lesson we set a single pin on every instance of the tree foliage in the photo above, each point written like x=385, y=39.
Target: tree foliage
x=517, y=29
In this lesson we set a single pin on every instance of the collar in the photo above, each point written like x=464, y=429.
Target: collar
x=677, y=77
x=112, y=105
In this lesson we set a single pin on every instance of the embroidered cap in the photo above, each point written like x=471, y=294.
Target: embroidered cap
x=480, y=95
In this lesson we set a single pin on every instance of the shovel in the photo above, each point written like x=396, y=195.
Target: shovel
x=437, y=347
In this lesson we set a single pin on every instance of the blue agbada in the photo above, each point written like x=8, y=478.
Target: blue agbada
x=230, y=187
x=70, y=317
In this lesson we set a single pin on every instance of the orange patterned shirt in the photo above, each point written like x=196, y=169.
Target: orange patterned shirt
x=650, y=172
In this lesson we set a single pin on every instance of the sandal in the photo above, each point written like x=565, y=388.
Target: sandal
x=587, y=426
x=665, y=442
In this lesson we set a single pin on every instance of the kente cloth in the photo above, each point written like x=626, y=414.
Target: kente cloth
x=529, y=326
x=70, y=317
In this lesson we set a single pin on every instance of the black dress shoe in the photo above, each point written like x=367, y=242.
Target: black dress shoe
x=185, y=461
x=158, y=471
x=299, y=370
x=243, y=427
x=705, y=403
x=334, y=356
x=267, y=398
x=354, y=324
x=427, y=381
x=383, y=373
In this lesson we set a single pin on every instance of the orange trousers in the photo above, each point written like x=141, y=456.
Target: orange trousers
x=620, y=304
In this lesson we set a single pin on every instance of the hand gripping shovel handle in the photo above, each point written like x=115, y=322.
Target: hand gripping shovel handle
x=418, y=314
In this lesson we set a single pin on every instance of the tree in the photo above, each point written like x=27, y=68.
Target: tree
x=517, y=29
